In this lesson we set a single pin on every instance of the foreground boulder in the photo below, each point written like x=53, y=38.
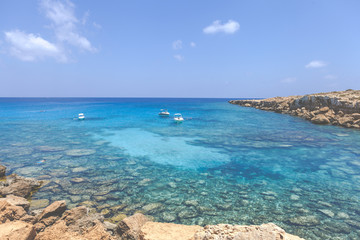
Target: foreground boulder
x=129, y=228
x=10, y=212
x=17, y=230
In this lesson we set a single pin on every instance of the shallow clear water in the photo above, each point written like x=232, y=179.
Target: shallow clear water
x=223, y=164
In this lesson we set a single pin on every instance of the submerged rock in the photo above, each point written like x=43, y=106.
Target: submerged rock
x=39, y=203
x=117, y=218
x=168, y=217
x=305, y=221
x=342, y=215
x=191, y=203
x=49, y=149
x=188, y=213
x=327, y=212
x=152, y=207
x=77, y=180
x=80, y=152
x=294, y=197
x=79, y=169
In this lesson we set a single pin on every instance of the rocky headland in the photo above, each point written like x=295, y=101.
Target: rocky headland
x=56, y=222
x=340, y=108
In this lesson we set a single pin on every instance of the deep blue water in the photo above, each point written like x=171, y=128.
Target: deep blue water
x=223, y=164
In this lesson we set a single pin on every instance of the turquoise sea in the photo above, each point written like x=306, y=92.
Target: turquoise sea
x=223, y=164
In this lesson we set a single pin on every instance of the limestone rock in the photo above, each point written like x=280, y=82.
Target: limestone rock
x=129, y=228
x=324, y=110
x=17, y=230
x=18, y=186
x=2, y=171
x=17, y=201
x=339, y=108
x=166, y=231
x=320, y=119
x=345, y=120
x=10, y=212
x=356, y=116
x=58, y=231
x=55, y=209
x=71, y=216
x=267, y=231
x=97, y=232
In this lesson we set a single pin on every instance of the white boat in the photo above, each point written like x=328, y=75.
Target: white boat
x=178, y=117
x=81, y=116
x=164, y=113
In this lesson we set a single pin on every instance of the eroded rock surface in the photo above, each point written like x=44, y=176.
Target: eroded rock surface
x=18, y=186
x=267, y=231
x=336, y=108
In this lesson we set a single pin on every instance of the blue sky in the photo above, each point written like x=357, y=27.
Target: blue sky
x=234, y=49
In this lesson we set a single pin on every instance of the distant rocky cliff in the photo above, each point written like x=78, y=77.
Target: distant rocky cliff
x=336, y=108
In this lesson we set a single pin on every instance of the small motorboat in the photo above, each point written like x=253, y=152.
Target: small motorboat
x=178, y=118
x=164, y=113
x=81, y=116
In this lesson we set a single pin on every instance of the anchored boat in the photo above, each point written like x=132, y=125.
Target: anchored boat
x=81, y=116
x=164, y=113
x=178, y=118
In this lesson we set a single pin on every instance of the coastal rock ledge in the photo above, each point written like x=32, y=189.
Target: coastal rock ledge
x=336, y=108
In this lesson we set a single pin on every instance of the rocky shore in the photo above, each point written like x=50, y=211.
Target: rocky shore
x=336, y=108
x=54, y=222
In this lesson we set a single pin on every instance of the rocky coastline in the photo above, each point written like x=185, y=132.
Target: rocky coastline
x=56, y=222
x=341, y=108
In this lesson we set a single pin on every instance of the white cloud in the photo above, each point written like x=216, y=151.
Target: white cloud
x=330, y=77
x=29, y=47
x=230, y=27
x=192, y=44
x=316, y=64
x=85, y=17
x=64, y=23
x=179, y=57
x=177, y=44
x=96, y=25
x=32, y=47
x=289, y=80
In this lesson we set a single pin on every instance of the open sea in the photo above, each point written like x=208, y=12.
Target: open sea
x=223, y=164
